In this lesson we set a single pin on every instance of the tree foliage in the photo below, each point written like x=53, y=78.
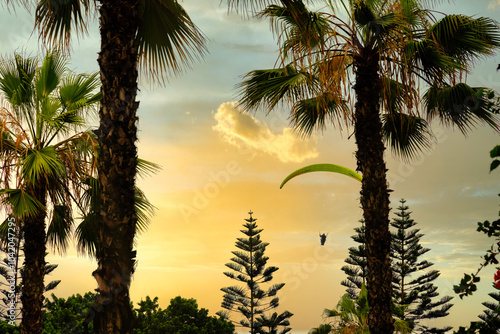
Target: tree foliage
x=413, y=289
x=160, y=37
x=182, y=316
x=467, y=286
x=248, y=266
x=356, y=268
x=413, y=286
x=73, y=315
x=68, y=315
x=351, y=316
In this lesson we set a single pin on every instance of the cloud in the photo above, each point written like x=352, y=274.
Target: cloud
x=240, y=128
x=493, y=4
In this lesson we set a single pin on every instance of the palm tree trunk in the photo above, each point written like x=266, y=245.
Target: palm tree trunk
x=374, y=191
x=117, y=134
x=34, y=266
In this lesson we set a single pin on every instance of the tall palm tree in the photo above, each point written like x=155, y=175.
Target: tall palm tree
x=42, y=158
x=364, y=69
x=59, y=230
x=157, y=35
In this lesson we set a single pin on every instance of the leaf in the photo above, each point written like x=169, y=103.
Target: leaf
x=52, y=285
x=42, y=163
x=323, y=168
x=56, y=20
x=167, y=38
x=494, y=164
x=495, y=152
x=49, y=74
x=22, y=203
x=60, y=227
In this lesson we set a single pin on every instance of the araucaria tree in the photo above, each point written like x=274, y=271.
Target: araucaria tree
x=412, y=285
x=365, y=68
x=249, y=267
x=356, y=269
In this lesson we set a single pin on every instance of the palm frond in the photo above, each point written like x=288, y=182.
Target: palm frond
x=267, y=88
x=52, y=285
x=57, y=19
x=78, y=92
x=5, y=231
x=394, y=95
x=48, y=111
x=413, y=13
x=406, y=135
x=82, y=148
x=147, y=168
x=460, y=105
x=87, y=233
x=11, y=145
x=167, y=38
x=21, y=203
x=427, y=59
x=144, y=210
x=362, y=13
x=301, y=30
x=314, y=112
x=375, y=24
x=49, y=74
x=465, y=38
x=41, y=163
x=49, y=268
x=16, y=76
x=60, y=226
x=67, y=121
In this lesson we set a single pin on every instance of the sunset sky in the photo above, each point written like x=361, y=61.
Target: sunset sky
x=218, y=163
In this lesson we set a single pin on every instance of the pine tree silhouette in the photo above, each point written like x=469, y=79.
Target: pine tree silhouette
x=356, y=270
x=412, y=283
x=249, y=267
x=413, y=288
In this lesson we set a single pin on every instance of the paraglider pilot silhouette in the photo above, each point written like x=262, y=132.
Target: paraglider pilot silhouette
x=322, y=238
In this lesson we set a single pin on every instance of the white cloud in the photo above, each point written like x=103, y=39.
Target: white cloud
x=240, y=128
x=493, y=4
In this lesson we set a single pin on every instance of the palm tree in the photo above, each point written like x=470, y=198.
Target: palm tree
x=365, y=71
x=155, y=34
x=353, y=315
x=43, y=158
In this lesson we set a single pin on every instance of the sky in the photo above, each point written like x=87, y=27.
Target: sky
x=219, y=163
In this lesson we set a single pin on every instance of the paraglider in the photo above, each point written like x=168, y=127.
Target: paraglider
x=322, y=238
